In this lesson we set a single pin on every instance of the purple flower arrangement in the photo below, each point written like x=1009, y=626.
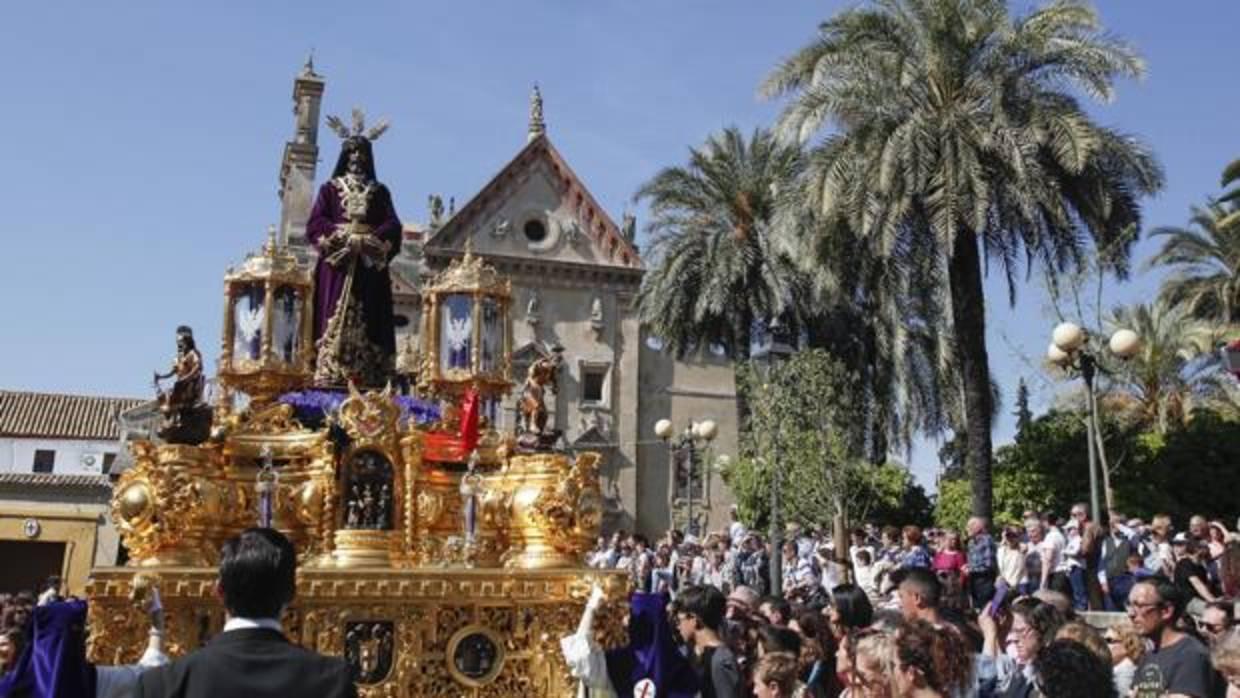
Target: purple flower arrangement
x=314, y=405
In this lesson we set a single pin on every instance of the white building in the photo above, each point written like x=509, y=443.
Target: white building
x=55, y=519
x=61, y=434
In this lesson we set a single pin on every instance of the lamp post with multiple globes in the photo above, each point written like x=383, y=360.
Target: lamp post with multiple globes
x=696, y=433
x=1070, y=350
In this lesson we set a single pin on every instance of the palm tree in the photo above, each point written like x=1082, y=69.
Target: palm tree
x=1231, y=175
x=882, y=317
x=1171, y=373
x=715, y=273
x=955, y=125
x=1205, y=257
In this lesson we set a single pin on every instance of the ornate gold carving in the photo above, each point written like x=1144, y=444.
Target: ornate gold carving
x=371, y=418
x=163, y=505
x=469, y=274
x=556, y=509
x=430, y=508
x=269, y=421
x=524, y=613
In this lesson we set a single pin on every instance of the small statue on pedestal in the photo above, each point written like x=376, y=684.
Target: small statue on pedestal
x=543, y=375
x=471, y=493
x=186, y=419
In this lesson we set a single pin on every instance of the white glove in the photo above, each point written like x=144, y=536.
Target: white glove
x=587, y=619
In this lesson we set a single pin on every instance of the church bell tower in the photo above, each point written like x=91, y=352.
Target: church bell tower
x=301, y=154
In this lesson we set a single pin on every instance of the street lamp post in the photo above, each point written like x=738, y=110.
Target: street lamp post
x=778, y=349
x=1069, y=349
x=703, y=432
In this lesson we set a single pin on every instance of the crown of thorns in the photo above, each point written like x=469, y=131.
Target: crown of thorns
x=358, y=128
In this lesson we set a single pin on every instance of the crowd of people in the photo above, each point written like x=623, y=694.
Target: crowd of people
x=894, y=613
x=15, y=610
x=912, y=612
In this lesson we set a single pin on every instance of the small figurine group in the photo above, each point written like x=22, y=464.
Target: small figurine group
x=368, y=506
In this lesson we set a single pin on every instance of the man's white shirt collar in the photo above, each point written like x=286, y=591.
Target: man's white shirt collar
x=249, y=623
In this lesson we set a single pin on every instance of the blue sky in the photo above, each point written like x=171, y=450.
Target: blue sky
x=143, y=140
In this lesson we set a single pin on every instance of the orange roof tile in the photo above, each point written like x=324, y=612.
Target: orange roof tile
x=58, y=415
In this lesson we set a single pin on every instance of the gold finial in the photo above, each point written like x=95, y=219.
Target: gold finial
x=271, y=240
x=469, y=249
x=538, y=126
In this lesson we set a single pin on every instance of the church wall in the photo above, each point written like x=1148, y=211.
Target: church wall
x=686, y=390
x=536, y=198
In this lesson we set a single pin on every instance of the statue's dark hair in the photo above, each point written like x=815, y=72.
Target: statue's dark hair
x=349, y=145
x=188, y=333
x=258, y=572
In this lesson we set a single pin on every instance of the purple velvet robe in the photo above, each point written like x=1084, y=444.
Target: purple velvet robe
x=372, y=286
x=53, y=664
x=651, y=653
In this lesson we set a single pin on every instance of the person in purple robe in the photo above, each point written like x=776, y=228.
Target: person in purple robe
x=357, y=233
x=650, y=656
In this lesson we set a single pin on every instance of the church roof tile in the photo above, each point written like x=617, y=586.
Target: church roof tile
x=63, y=416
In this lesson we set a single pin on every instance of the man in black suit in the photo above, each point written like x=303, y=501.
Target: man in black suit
x=251, y=658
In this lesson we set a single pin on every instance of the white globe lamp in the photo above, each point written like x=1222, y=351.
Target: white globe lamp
x=1068, y=336
x=1057, y=356
x=663, y=429
x=1125, y=343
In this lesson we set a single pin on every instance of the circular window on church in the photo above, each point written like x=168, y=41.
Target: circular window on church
x=535, y=230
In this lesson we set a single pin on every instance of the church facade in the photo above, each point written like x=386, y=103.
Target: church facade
x=574, y=274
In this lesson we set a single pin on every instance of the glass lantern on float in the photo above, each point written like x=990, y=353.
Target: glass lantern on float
x=267, y=348
x=466, y=353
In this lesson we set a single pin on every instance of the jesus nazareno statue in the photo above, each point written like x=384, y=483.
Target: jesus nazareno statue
x=355, y=229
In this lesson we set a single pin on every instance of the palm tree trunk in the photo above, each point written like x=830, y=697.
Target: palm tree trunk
x=741, y=325
x=969, y=321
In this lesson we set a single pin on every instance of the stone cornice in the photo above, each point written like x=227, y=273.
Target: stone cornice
x=549, y=273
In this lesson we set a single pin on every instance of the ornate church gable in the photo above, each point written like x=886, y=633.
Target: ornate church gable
x=537, y=207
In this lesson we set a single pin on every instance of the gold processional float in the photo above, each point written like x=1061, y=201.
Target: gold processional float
x=434, y=568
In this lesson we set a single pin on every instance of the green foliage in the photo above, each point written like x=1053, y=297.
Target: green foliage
x=1189, y=469
x=804, y=421
x=1015, y=492
x=713, y=270
x=1204, y=257
x=886, y=494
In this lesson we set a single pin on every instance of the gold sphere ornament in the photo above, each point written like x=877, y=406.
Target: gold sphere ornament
x=1125, y=343
x=135, y=502
x=1068, y=336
